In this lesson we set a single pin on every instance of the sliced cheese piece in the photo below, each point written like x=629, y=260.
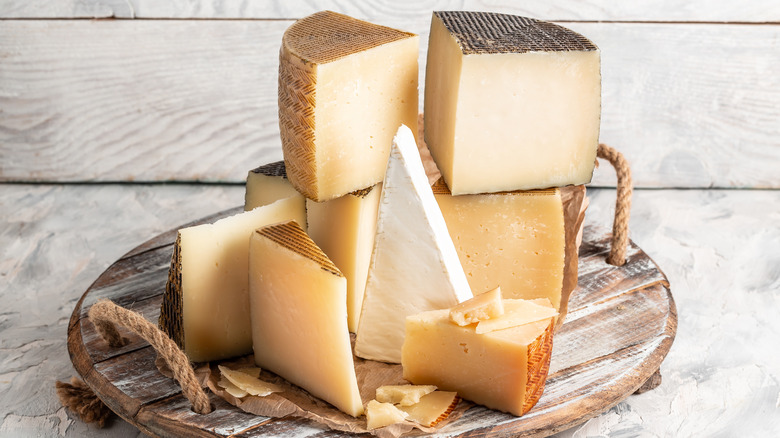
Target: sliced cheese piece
x=511, y=103
x=251, y=385
x=344, y=229
x=518, y=312
x=266, y=184
x=298, y=301
x=503, y=370
x=205, y=307
x=513, y=239
x=345, y=85
x=405, y=395
x=230, y=388
x=432, y=408
x=414, y=266
x=382, y=414
x=485, y=306
x=252, y=371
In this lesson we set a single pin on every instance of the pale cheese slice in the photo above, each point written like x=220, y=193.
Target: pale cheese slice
x=487, y=305
x=230, y=388
x=414, y=266
x=432, y=408
x=405, y=395
x=518, y=312
x=380, y=414
x=245, y=382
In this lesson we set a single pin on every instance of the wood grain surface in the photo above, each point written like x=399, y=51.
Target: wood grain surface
x=621, y=324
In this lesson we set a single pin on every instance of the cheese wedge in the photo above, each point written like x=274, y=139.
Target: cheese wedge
x=344, y=229
x=512, y=239
x=266, y=184
x=511, y=103
x=298, y=302
x=504, y=370
x=404, y=395
x=414, y=266
x=482, y=307
x=383, y=414
x=518, y=312
x=432, y=408
x=345, y=86
x=205, y=307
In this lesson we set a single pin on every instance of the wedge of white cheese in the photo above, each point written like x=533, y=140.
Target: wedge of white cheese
x=414, y=266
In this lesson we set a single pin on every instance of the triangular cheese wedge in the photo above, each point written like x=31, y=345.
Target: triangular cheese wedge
x=414, y=266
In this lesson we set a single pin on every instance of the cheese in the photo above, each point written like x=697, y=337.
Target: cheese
x=503, y=370
x=249, y=384
x=405, y=395
x=482, y=307
x=432, y=408
x=511, y=103
x=205, y=307
x=266, y=184
x=345, y=86
x=298, y=302
x=382, y=414
x=414, y=266
x=344, y=229
x=512, y=239
x=518, y=312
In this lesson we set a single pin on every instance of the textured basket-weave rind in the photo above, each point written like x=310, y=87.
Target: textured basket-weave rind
x=539, y=355
x=171, y=320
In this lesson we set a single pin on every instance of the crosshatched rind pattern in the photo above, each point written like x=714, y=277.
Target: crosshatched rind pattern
x=481, y=33
x=539, y=355
x=271, y=169
x=171, y=320
x=290, y=235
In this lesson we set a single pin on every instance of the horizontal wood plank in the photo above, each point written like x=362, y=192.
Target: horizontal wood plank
x=603, y=10
x=690, y=105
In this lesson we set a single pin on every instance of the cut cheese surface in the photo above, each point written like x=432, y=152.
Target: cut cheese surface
x=414, y=266
x=511, y=103
x=404, y=395
x=267, y=184
x=298, y=302
x=512, y=239
x=380, y=414
x=205, y=307
x=344, y=229
x=485, y=306
x=432, y=408
x=502, y=370
x=345, y=85
x=518, y=312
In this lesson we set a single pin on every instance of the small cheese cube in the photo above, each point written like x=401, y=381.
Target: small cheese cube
x=484, y=306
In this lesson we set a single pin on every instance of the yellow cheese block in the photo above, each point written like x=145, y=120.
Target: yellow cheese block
x=511, y=103
x=345, y=86
x=344, y=229
x=205, y=307
x=503, y=370
x=266, y=184
x=298, y=302
x=482, y=307
x=515, y=240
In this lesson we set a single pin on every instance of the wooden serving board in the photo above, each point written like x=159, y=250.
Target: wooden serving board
x=621, y=323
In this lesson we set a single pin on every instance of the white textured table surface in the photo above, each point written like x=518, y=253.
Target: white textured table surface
x=719, y=248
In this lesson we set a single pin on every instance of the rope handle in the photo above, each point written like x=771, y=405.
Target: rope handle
x=617, y=252
x=105, y=314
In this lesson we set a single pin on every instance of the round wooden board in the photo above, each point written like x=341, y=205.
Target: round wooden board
x=621, y=324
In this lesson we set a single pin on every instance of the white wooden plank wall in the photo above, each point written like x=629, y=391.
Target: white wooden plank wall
x=186, y=91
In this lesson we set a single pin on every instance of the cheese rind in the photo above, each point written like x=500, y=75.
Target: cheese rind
x=511, y=103
x=345, y=85
x=502, y=370
x=299, y=315
x=205, y=307
x=512, y=239
x=414, y=266
x=267, y=184
x=432, y=408
x=484, y=306
x=344, y=229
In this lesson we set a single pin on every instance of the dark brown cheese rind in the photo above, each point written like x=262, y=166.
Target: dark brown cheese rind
x=489, y=33
x=291, y=236
x=271, y=169
x=171, y=319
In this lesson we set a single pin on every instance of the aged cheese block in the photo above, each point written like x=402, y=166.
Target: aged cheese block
x=379, y=414
x=484, y=306
x=298, y=301
x=515, y=240
x=511, y=103
x=345, y=86
x=266, y=184
x=344, y=229
x=432, y=408
x=503, y=370
x=414, y=266
x=205, y=307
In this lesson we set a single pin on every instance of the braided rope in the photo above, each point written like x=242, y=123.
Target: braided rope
x=617, y=253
